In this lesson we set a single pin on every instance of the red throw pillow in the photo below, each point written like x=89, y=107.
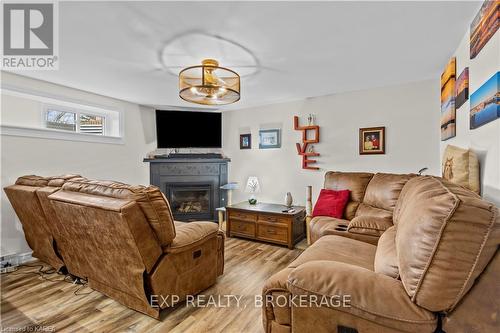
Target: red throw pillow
x=331, y=203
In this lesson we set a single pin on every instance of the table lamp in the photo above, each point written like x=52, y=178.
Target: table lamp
x=252, y=187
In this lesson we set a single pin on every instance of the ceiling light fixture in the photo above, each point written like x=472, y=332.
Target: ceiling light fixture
x=209, y=84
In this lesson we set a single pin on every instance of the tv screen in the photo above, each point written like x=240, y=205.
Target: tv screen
x=186, y=129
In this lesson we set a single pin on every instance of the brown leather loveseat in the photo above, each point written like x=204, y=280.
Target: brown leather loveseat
x=437, y=266
x=124, y=241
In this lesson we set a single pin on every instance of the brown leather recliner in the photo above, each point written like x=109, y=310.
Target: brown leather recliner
x=38, y=228
x=440, y=257
x=123, y=239
x=368, y=212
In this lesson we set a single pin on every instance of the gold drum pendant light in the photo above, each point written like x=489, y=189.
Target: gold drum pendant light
x=209, y=84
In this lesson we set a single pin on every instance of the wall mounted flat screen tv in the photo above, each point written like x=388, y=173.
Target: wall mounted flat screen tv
x=187, y=129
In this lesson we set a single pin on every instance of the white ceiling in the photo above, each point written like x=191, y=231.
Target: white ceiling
x=305, y=49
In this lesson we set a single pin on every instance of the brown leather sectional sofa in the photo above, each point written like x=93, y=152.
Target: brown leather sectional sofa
x=435, y=264
x=370, y=207
x=121, y=238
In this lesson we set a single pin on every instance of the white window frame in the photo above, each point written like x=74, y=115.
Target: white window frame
x=62, y=104
x=78, y=112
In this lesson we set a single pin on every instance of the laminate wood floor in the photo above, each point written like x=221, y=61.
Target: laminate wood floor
x=29, y=300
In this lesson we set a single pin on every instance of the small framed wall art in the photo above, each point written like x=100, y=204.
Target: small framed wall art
x=245, y=141
x=372, y=140
x=269, y=138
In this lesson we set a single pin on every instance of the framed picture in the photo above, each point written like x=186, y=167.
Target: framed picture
x=270, y=138
x=484, y=102
x=245, y=141
x=372, y=140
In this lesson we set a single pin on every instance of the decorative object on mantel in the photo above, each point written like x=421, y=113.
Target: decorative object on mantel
x=252, y=187
x=484, y=101
x=448, y=114
x=288, y=200
x=269, y=138
x=484, y=26
x=246, y=141
x=372, y=140
x=302, y=149
x=209, y=84
x=462, y=88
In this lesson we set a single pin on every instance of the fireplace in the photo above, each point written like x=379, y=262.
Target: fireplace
x=191, y=185
x=190, y=200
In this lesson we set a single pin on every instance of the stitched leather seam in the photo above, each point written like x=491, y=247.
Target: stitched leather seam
x=438, y=242
x=483, y=244
x=121, y=187
x=366, y=310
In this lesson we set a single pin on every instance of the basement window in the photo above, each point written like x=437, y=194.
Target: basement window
x=40, y=115
x=74, y=121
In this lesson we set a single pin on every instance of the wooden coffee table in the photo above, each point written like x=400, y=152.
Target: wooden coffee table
x=266, y=222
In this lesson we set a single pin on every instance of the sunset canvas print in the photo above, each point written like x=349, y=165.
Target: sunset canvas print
x=485, y=102
x=462, y=88
x=484, y=26
x=448, y=126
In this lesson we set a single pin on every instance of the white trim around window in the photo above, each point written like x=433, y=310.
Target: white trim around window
x=113, y=117
x=44, y=133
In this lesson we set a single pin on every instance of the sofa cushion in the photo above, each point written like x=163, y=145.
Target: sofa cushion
x=331, y=203
x=373, y=297
x=369, y=225
x=445, y=237
x=355, y=182
x=149, y=198
x=58, y=181
x=339, y=249
x=366, y=210
x=189, y=235
x=461, y=166
x=386, y=258
x=384, y=189
x=32, y=180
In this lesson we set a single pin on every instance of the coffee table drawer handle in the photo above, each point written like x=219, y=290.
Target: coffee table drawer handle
x=271, y=231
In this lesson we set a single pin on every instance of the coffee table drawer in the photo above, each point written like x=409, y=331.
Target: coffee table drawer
x=272, y=219
x=243, y=228
x=272, y=233
x=242, y=216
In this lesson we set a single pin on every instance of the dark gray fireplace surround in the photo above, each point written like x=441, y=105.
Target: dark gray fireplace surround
x=191, y=185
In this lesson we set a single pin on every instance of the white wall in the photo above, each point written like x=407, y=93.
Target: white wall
x=409, y=112
x=485, y=140
x=23, y=155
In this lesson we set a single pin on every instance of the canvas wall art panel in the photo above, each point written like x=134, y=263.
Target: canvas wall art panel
x=448, y=115
x=484, y=26
x=485, y=102
x=462, y=88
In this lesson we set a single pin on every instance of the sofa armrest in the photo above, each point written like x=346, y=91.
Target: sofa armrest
x=191, y=234
x=369, y=225
x=363, y=293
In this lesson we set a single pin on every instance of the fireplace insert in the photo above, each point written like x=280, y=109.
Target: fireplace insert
x=191, y=201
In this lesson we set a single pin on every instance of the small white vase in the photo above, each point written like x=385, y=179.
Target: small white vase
x=288, y=199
